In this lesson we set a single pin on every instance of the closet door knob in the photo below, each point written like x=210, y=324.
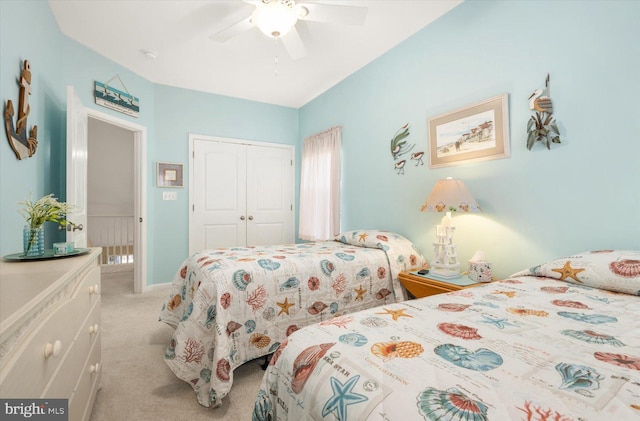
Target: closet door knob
x=242, y=218
x=94, y=368
x=95, y=289
x=93, y=329
x=52, y=349
x=251, y=218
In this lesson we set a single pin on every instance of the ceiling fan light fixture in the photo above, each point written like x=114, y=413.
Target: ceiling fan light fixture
x=302, y=12
x=275, y=18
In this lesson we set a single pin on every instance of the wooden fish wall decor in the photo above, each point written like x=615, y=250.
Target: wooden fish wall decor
x=399, y=147
x=24, y=146
x=542, y=126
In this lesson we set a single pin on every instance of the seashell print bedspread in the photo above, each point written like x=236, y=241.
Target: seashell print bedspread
x=526, y=348
x=233, y=305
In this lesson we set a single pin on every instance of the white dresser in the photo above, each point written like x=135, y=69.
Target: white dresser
x=50, y=330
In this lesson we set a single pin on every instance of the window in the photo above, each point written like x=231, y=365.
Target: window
x=320, y=186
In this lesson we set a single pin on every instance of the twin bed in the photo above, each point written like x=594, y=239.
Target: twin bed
x=233, y=305
x=560, y=341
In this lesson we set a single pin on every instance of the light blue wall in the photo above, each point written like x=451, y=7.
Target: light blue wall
x=180, y=112
x=39, y=174
x=29, y=31
x=169, y=114
x=583, y=194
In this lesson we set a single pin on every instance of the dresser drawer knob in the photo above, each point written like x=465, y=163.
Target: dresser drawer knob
x=95, y=289
x=94, y=368
x=52, y=349
x=93, y=329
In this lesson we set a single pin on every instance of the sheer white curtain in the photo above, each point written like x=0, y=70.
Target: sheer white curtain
x=320, y=186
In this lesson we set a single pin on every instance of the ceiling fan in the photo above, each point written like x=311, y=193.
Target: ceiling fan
x=278, y=18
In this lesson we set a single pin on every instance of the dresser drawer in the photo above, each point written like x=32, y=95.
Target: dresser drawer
x=58, y=331
x=87, y=293
x=66, y=377
x=81, y=402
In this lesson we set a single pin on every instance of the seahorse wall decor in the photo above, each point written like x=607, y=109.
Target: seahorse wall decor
x=400, y=147
x=542, y=126
x=23, y=146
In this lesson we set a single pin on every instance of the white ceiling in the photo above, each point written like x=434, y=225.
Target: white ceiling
x=244, y=66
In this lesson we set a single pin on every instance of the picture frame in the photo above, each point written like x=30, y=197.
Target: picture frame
x=169, y=174
x=476, y=132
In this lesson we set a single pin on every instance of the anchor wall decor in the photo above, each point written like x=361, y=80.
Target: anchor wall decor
x=24, y=146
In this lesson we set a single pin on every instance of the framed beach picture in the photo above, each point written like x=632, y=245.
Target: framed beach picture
x=476, y=132
x=169, y=175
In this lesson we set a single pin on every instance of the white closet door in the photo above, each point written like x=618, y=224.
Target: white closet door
x=219, y=190
x=270, y=217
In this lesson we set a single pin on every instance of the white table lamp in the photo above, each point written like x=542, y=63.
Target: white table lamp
x=448, y=195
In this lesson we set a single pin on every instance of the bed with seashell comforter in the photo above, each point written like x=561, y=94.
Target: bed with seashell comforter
x=233, y=305
x=560, y=341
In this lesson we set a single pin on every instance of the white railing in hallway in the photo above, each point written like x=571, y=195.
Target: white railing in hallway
x=115, y=235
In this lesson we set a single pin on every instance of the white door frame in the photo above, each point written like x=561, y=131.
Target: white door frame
x=193, y=137
x=140, y=194
x=76, y=183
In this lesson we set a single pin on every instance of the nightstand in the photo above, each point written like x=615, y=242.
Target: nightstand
x=425, y=285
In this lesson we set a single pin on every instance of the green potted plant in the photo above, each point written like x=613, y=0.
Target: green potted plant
x=45, y=209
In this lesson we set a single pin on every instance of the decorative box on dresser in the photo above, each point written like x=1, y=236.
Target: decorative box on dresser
x=50, y=331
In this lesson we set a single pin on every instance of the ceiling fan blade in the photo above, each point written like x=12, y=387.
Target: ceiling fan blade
x=233, y=30
x=293, y=44
x=333, y=13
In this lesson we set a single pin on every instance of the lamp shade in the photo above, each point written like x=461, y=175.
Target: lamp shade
x=450, y=194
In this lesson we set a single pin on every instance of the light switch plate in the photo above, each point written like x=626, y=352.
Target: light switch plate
x=169, y=195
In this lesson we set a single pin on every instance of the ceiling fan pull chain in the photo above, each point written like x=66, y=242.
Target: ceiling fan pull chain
x=275, y=58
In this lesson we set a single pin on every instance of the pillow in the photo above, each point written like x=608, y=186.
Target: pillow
x=367, y=238
x=613, y=270
x=395, y=245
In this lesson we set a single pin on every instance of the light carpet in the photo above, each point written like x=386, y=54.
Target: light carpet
x=136, y=382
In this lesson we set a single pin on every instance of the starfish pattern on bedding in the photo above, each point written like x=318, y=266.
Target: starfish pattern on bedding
x=497, y=322
x=284, y=307
x=342, y=397
x=568, y=272
x=396, y=314
x=360, y=291
x=363, y=236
